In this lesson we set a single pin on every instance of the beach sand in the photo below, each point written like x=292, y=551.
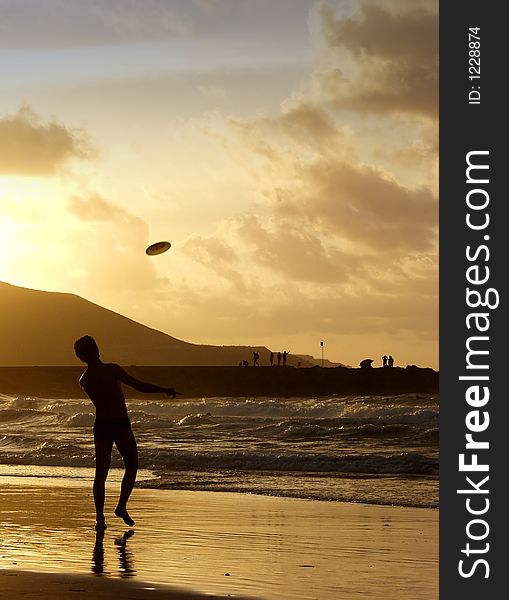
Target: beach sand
x=210, y=543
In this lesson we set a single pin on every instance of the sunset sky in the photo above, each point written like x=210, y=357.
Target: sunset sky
x=287, y=150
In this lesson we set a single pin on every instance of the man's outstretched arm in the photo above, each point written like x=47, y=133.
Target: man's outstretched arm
x=143, y=386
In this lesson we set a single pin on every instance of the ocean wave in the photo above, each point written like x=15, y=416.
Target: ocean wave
x=280, y=441
x=354, y=409
x=31, y=451
x=196, y=419
x=400, y=463
x=361, y=408
x=80, y=420
x=13, y=414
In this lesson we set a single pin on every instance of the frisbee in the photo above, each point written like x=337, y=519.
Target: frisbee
x=158, y=248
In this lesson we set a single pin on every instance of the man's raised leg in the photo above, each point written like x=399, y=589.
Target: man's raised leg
x=126, y=445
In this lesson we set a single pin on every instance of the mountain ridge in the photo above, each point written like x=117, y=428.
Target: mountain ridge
x=38, y=328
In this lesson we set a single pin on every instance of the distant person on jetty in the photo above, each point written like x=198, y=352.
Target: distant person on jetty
x=101, y=382
x=278, y=358
x=390, y=361
x=285, y=355
x=256, y=358
x=272, y=359
x=384, y=360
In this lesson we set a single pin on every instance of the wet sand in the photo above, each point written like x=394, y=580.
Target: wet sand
x=64, y=586
x=227, y=545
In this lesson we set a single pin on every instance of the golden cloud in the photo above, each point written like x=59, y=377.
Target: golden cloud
x=364, y=205
x=32, y=147
x=343, y=243
x=386, y=59
x=96, y=208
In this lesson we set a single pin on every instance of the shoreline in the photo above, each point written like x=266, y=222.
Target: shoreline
x=315, y=497
x=241, y=545
x=19, y=474
x=282, y=382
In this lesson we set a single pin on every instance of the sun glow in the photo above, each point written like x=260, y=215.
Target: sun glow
x=30, y=219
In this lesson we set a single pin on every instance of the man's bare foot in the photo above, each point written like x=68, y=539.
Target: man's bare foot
x=123, y=514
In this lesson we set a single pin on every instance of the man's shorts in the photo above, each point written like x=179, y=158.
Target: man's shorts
x=111, y=430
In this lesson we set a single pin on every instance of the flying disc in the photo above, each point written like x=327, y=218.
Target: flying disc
x=158, y=248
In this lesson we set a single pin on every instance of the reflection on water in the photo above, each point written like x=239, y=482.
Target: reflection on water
x=125, y=556
x=98, y=556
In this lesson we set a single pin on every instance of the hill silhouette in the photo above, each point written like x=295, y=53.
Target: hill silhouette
x=39, y=329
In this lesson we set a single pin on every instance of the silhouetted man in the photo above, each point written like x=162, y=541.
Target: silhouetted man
x=390, y=361
x=285, y=354
x=102, y=384
x=278, y=358
x=271, y=359
x=384, y=360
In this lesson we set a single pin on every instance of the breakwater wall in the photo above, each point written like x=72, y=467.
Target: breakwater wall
x=62, y=382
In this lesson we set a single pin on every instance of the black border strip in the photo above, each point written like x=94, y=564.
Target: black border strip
x=467, y=127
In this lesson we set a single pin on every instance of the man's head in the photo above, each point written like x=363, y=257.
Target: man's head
x=86, y=349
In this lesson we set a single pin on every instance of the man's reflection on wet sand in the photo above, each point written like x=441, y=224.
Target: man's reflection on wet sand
x=125, y=557
x=98, y=555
